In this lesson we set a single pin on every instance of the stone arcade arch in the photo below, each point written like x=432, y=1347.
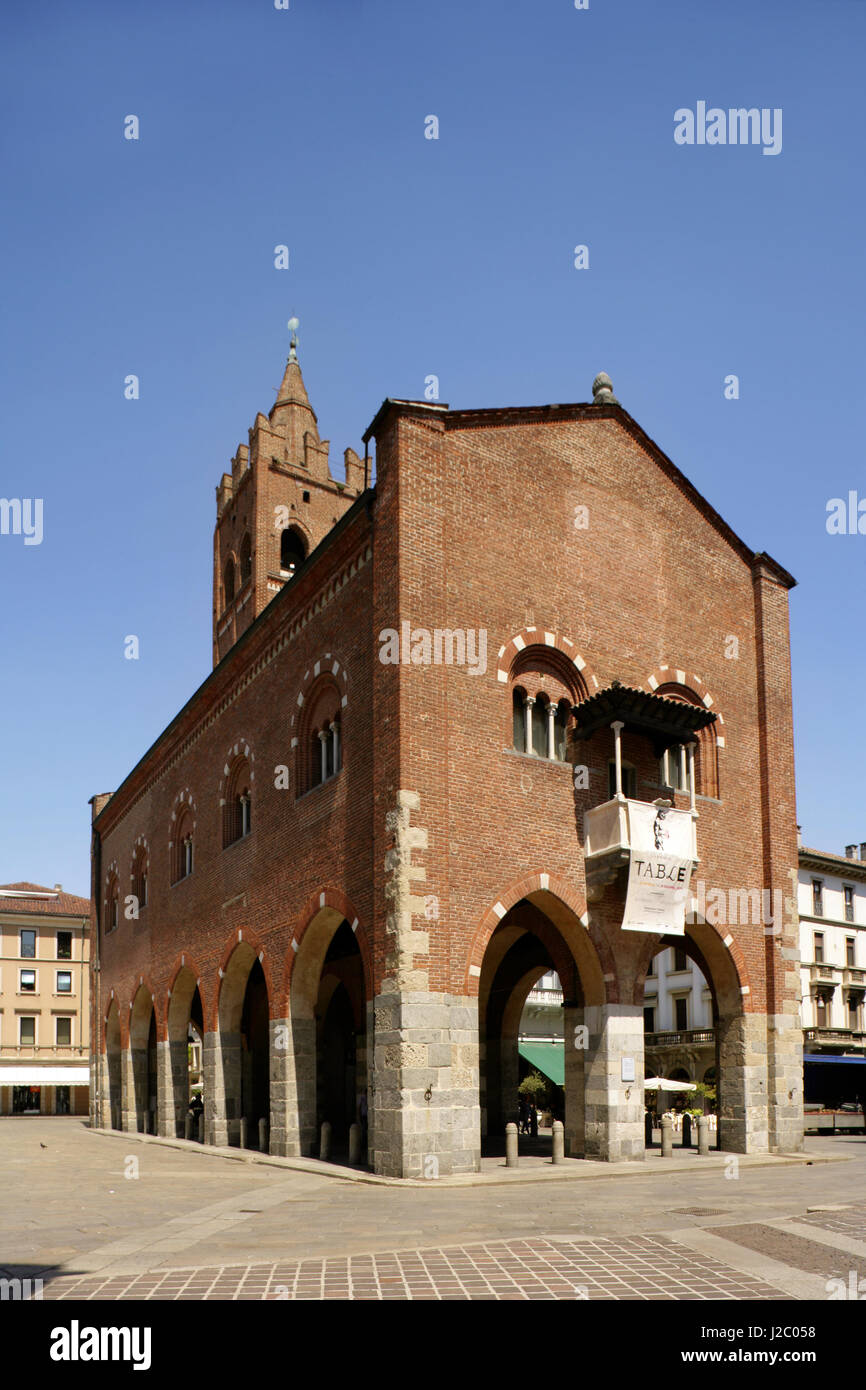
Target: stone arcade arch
x=532, y=929
x=113, y=1067
x=328, y=1021
x=239, y=1086
x=185, y=1012
x=142, y=1106
x=739, y=1061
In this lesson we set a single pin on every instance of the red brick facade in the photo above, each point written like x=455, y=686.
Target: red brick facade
x=565, y=537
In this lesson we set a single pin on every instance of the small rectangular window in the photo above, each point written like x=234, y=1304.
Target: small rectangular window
x=849, y=902
x=64, y=982
x=681, y=960
x=64, y=1032
x=817, y=897
x=649, y=1020
x=27, y=981
x=27, y=1032
x=64, y=945
x=819, y=947
x=820, y=1012
x=28, y=945
x=850, y=949
x=682, y=1013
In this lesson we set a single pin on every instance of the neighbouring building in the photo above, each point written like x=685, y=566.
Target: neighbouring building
x=832, y=909
x=44, y=1001
x=446, y=711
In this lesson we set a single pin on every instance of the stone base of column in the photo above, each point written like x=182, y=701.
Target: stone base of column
x=787, y=1122
x=425, y=1119
x=613, y=1107
x=743, y=1084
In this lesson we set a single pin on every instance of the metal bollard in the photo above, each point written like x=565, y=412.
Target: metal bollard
x=667, y=1136
x=354, y=1144
x=243, y=1135
x=187, y=1126
x=703, y=1135
x=511, y=1145
x=558, y=1141
x=325, y=1141
x=201, y=1128
x=263, y=1136
x=687, y=1130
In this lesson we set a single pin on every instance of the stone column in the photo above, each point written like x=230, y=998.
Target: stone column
x=614, y=1109
x=527, y=721
x=293, y=1087
x=785, y=1080
x=575, y=1055
x=425, y=1116
x=742, y=1084
x=218, y=1123
x=128, y=1122
x=166, y=1114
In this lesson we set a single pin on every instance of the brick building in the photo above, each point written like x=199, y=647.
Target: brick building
x=398, y=800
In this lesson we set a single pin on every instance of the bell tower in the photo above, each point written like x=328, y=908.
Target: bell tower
x=276, y=505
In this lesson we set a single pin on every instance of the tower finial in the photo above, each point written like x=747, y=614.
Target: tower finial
x=293, y=329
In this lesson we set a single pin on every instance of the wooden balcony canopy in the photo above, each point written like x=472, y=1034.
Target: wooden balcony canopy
x=666, y=722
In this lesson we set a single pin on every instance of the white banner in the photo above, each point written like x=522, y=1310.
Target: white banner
x=660, y=828
x=658, y=888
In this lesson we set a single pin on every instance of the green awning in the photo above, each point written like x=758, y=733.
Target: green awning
x=548, y=1058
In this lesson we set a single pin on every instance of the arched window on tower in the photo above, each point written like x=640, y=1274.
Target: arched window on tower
x=323, y=741
x=228, y=582
x=293, y=552
x=544, y=689
x=246, y=563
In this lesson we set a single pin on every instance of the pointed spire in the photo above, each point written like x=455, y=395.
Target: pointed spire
x=292, y=391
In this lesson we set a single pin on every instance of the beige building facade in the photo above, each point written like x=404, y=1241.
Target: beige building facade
x=44, y=1001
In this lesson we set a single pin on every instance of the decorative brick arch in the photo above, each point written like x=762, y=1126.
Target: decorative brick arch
x=525, y=888
x=538, y=637
x=139, y=843
x=251, y=939
x=184, y=961
x=326, y=665
x=143, y=982
x=240, y=748
x=335, y=899
x=676, y=675
x=181, y=801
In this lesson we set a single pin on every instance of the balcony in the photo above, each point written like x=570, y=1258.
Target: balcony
x=826, y=975
x=835, y=1037
x=616, y=829
x=690, y=1037
x=855, y=979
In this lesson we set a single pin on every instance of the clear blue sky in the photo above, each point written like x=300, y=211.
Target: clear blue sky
x=408, y=257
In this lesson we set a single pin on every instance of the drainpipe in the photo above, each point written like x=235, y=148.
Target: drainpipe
x=96, y=977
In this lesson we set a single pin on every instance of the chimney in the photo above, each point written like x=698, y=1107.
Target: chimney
x=58, y=887
x=799, y=837
x=851, y=851
x=863, y=851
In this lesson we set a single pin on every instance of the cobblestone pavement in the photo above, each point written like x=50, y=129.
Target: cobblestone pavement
x=642, y=1268
x=104, y=1217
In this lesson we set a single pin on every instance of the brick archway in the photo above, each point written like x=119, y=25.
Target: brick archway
x=539, y=637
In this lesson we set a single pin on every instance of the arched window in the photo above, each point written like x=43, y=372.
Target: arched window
x=323, y=742
x=139, y=876
x=112, y=903
x=544, y=687
x=246, y=563
x=293, y=551
x=229, y=582
x=237, y=811
x=519, y=719
x=706, y=750
x=182, y=849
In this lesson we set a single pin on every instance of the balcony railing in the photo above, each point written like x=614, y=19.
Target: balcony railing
x=625, y=825
x=687, y=1038
x=835, y=1036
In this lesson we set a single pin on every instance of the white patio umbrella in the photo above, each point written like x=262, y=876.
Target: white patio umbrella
x=661, y=1083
